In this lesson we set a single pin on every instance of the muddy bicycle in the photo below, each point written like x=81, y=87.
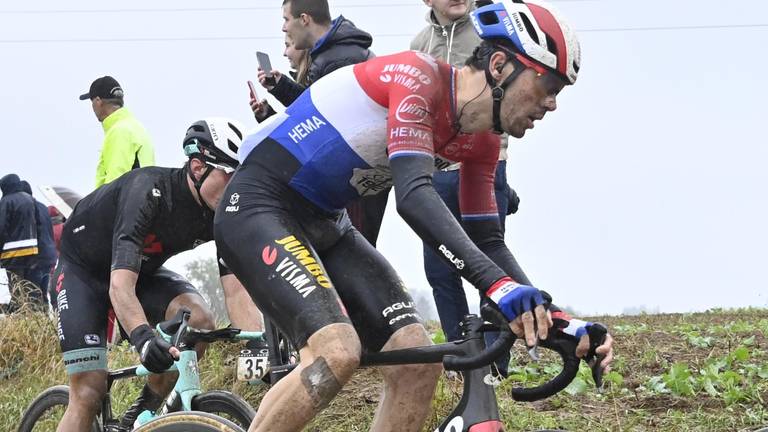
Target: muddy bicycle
x=187, y=396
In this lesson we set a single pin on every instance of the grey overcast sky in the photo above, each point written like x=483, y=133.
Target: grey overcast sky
x=645, y=187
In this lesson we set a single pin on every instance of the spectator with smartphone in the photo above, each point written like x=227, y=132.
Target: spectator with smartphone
x=299, y=63
x=332, y=44
x=126, y=143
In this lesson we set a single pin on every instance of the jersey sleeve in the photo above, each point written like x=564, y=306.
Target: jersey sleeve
x=410, y=111
x=477, y=199
x=139, y=204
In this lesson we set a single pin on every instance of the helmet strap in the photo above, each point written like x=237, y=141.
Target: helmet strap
x=497, y=90
x=198, y=184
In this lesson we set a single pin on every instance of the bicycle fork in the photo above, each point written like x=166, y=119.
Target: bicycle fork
x=478, y=410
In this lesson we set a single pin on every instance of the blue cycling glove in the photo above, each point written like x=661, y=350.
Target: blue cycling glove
x=570, y=326
x=514, y=299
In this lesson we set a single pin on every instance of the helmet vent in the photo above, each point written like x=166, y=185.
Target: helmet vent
x=529, y=28
x=488, y=18
x=236, y=130
x=552, y=46
x=232, y=146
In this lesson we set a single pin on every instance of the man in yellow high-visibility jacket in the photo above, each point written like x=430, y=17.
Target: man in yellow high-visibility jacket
x=126, y=143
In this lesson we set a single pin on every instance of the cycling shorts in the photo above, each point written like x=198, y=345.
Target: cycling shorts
x=305, y=268
x=83, y=306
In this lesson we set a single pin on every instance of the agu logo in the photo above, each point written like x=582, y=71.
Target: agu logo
x=233, y=200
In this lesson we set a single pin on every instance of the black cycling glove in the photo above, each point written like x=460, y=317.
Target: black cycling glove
x=153, y=350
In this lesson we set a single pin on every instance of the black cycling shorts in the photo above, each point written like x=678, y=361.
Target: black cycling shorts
x=83, y=306
x=305, y=268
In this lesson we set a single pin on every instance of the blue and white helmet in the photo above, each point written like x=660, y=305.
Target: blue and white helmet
x=537, y=31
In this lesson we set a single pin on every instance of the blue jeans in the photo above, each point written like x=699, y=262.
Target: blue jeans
x=445, y=281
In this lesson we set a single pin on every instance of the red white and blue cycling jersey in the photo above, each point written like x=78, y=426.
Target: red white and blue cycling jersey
x=346, y=127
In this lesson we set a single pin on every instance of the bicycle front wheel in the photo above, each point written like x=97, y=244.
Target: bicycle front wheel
x=46, y=411
x=189, y=421
x=227, y=405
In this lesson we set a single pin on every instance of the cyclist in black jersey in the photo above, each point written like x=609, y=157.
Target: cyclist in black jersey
x=112, y=252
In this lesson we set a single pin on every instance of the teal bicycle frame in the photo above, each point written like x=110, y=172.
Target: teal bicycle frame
x=188, y=383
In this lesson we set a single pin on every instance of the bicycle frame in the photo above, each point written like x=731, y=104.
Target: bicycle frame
x=477, y=409
x=188, y=383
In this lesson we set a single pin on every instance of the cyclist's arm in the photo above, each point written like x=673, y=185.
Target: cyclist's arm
x=480, y=216
x=138, y=204
x=421, y=207
x=117, y=156
x=122, y=293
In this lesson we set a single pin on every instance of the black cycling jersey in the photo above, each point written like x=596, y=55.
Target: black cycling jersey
x=136, y=222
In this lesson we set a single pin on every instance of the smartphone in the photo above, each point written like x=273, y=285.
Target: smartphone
x=253, y=90
x=266, y=66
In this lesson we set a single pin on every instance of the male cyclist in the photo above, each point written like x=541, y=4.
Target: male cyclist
x=112, y=251
x=394, y=118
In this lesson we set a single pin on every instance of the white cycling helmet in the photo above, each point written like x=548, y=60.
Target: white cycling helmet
x=536, y=30
x=216, y=140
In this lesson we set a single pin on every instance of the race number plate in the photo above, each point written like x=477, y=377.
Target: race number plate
x=252, y=364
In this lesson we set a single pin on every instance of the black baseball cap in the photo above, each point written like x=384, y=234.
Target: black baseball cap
x=105, y=87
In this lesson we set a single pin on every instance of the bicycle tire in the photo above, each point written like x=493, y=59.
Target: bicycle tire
x=225, y=404
x=43, y=403
x=189, y=421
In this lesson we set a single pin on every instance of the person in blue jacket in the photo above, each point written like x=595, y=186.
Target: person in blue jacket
x=40, y=271
x=18, y=229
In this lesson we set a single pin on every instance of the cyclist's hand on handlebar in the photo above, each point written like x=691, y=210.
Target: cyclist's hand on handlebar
x=591, y=343
x=595, y=344
x=523, y=306
x=604, y=351
x=156, y=353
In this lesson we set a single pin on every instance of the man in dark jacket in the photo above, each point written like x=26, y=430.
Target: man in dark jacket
x=40, y=271
x=332, y=43
x=18, y=229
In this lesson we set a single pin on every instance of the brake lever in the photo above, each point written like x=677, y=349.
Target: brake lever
x=597, y=334
x=533, y=351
